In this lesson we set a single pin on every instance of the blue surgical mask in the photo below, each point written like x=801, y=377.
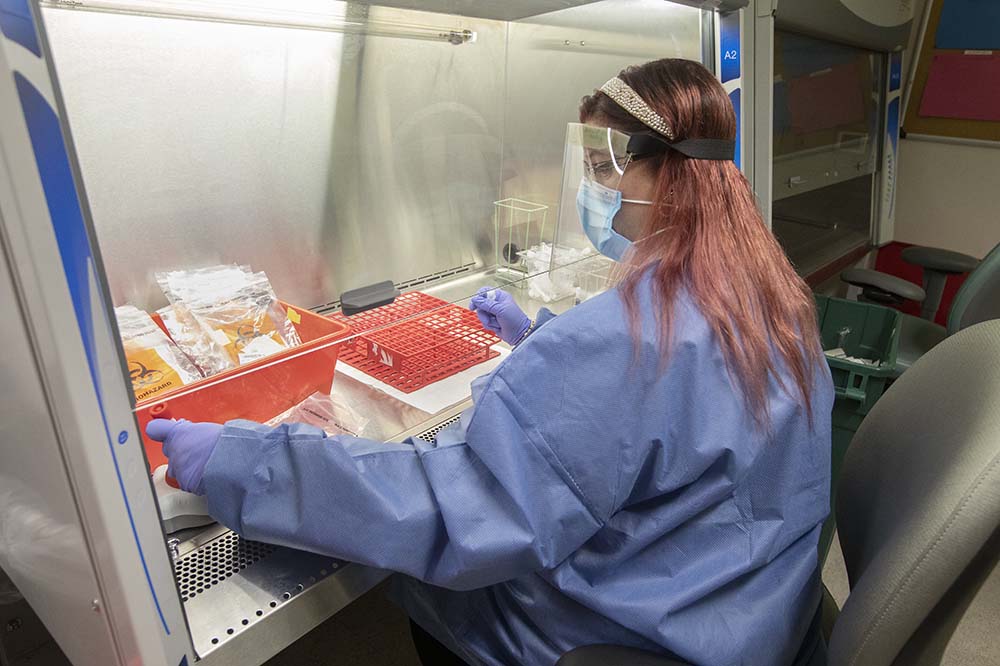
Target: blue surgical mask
x=598, y=206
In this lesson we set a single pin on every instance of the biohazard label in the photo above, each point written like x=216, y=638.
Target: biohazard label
x=150, y=374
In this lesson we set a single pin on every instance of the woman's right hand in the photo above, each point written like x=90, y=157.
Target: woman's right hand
x=499, y=313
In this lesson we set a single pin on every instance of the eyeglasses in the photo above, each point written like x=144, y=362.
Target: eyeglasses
x=607, y=170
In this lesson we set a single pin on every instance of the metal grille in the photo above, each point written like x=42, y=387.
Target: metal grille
x=215, y=562
x=334, y=306
x=431, y=434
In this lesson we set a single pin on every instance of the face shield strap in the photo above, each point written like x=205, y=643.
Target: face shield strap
x=701, y=149
x=647, y=144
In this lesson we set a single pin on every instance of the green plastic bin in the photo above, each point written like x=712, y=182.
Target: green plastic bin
x=862, y=330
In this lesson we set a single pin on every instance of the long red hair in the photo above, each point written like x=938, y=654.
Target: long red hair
x=705, y=234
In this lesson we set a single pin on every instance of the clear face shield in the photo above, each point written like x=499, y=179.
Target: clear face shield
x=604, y=192
x=597, y=154
x=595, y=163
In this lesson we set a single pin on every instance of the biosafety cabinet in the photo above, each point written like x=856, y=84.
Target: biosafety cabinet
x=379, y=163
x=835, y=92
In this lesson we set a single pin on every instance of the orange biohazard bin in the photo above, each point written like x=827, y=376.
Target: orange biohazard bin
x=257, y=391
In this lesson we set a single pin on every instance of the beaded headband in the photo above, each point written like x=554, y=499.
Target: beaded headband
x=629, y=100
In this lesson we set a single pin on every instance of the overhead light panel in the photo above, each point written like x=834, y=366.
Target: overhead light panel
x=307, y=15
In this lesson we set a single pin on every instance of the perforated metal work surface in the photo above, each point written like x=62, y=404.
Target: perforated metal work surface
x=430, y=435
x=230, y=585
x=215, y=562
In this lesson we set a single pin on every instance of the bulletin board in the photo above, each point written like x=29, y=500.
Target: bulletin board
x=955, y=91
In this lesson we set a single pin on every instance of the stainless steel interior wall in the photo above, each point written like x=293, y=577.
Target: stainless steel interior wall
x=330, y=160
x=415, y=154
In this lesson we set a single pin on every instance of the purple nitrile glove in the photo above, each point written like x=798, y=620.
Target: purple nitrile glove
x=499, y=313
x=188, y=447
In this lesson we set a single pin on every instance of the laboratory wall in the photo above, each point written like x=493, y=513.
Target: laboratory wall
x=947, y=196
x=947, y=192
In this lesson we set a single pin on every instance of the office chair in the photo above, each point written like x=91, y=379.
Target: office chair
x=918, y=511
x=978, y=299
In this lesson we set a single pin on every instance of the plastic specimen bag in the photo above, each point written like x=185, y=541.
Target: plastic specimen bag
x=155, y=363
x=327, y=412
x=194, y=341
x=239, y=317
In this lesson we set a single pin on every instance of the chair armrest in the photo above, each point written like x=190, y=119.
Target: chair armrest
x=883, y=282
x=613, y=655
x=935, y=259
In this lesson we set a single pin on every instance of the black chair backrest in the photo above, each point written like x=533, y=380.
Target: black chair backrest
x=979, y=298
x=918, y=505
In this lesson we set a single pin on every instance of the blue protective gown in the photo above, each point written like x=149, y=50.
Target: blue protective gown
x=589, y=496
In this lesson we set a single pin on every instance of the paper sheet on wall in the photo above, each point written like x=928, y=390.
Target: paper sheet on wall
x=963, y=86
x=439, y=395
x=969, y=24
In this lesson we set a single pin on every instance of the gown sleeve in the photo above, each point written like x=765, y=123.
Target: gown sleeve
x=488, y=502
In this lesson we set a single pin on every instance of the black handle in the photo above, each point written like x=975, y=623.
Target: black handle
x=367, y=298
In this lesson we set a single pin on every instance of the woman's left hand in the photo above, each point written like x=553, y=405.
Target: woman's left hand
x=499, y=313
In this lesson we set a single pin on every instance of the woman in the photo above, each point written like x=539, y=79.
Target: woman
x=649, y=469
